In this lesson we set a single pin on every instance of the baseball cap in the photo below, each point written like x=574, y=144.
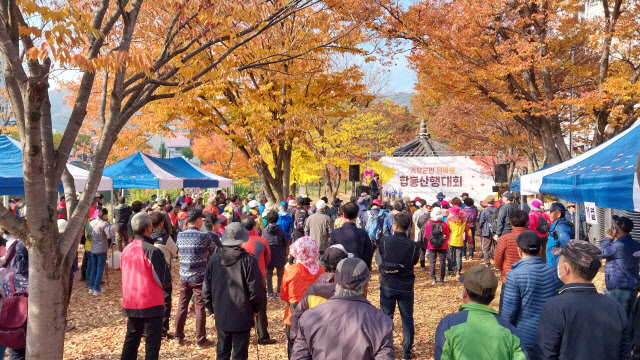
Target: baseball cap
x=416, y=199
x=321, y=204
x=292, y=203
x=162, y=202
x=579, y=252
x=556, y=206
x=480, y=280
x=376, y=202
x=235, y=234
x=253, y=204
x=508, y=195
x=529, y=240
x=334, y=254
x=352, y=272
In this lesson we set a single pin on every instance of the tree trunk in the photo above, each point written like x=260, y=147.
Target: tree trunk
x=48, y=300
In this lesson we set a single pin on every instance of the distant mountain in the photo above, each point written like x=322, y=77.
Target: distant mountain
x=400, y=98
x=60, y=111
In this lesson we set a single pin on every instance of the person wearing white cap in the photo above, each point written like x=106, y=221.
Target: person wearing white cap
x=437, y=235
x=254, y=210
x=318, y=226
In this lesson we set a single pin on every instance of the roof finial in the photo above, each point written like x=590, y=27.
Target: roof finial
x=423, y=127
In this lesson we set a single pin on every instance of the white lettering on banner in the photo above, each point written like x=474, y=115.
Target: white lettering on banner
x=590, y=213
x=426, y=176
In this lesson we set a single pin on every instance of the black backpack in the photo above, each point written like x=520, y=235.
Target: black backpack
x=437, y=236
x=543, y=225
x=493, y=221
x=298, y=221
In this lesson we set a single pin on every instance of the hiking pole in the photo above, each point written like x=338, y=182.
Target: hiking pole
x=257, y=340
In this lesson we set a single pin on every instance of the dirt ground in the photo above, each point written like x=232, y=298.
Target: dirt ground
x=100, y=326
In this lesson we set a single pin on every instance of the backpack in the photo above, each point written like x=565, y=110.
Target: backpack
x=13, y=318
x=373, y=225
x=437, y=236
x=493, y=221
x=181, y=224
x=298, y=221
x=543, y=225
x=554, y=233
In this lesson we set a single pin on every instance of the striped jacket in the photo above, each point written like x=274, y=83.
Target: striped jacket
x=529, y=285
x=195, y=247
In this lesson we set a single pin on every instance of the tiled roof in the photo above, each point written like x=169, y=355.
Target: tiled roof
x=422, y=145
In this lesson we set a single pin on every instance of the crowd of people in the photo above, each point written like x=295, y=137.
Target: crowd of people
x=322, y=255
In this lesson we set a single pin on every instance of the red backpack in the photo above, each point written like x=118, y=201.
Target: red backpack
x=13, y=318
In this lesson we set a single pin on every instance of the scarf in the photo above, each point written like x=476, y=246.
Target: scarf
x=305, y=251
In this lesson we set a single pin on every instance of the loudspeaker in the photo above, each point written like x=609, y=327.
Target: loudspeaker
x=354, y=173
x=500, y=173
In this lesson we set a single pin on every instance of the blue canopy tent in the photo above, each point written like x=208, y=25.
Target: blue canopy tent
x=11, y=174
x=606, y=175
x=141, y=171
x=515, y=185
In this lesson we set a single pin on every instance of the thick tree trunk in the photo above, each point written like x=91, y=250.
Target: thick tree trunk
x=48, y=299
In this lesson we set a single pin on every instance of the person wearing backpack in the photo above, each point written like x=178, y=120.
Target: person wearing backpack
x=14, y=285
x=299, y=218
x=486, y=221
x=539, y=222
x=560, y=233
x=437, y=235
x=374, y=223
x=398, y=255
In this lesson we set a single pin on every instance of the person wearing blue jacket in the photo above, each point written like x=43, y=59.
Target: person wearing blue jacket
x=285, y=221
x=560, y=233
x=529, y=285
x=621, y=270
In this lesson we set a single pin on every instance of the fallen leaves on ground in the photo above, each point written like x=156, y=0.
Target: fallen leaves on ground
x=100, y=326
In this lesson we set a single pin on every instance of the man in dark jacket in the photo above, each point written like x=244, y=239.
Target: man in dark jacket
x=331, y=331
x=529, y=285
x=321, y=290
x=398, y=255
x=299, y=216
x=621, y=270
x=504, y=227
x=234, y=306
x=375, y=186
x=142, y=297
x=354, y=240
x=121, y=214
x=487, y=232
x=579, y=323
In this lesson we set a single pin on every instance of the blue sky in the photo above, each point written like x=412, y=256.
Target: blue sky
x=401, y=77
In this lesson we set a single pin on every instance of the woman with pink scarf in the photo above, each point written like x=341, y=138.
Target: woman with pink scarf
x=302, y=271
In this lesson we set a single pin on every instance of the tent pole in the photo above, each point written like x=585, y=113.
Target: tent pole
x=576, y=230
x=5, y=201
x=521, y=201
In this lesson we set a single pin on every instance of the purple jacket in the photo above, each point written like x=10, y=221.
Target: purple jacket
x=368, y=336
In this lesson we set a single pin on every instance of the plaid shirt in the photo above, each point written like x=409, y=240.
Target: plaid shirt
x=195, y=247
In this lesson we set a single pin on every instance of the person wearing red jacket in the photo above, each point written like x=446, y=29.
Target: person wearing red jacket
x=144, y=271
x=440, y=252
x=259, y=248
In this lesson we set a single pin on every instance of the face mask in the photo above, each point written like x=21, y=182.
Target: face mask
x=561, y=275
